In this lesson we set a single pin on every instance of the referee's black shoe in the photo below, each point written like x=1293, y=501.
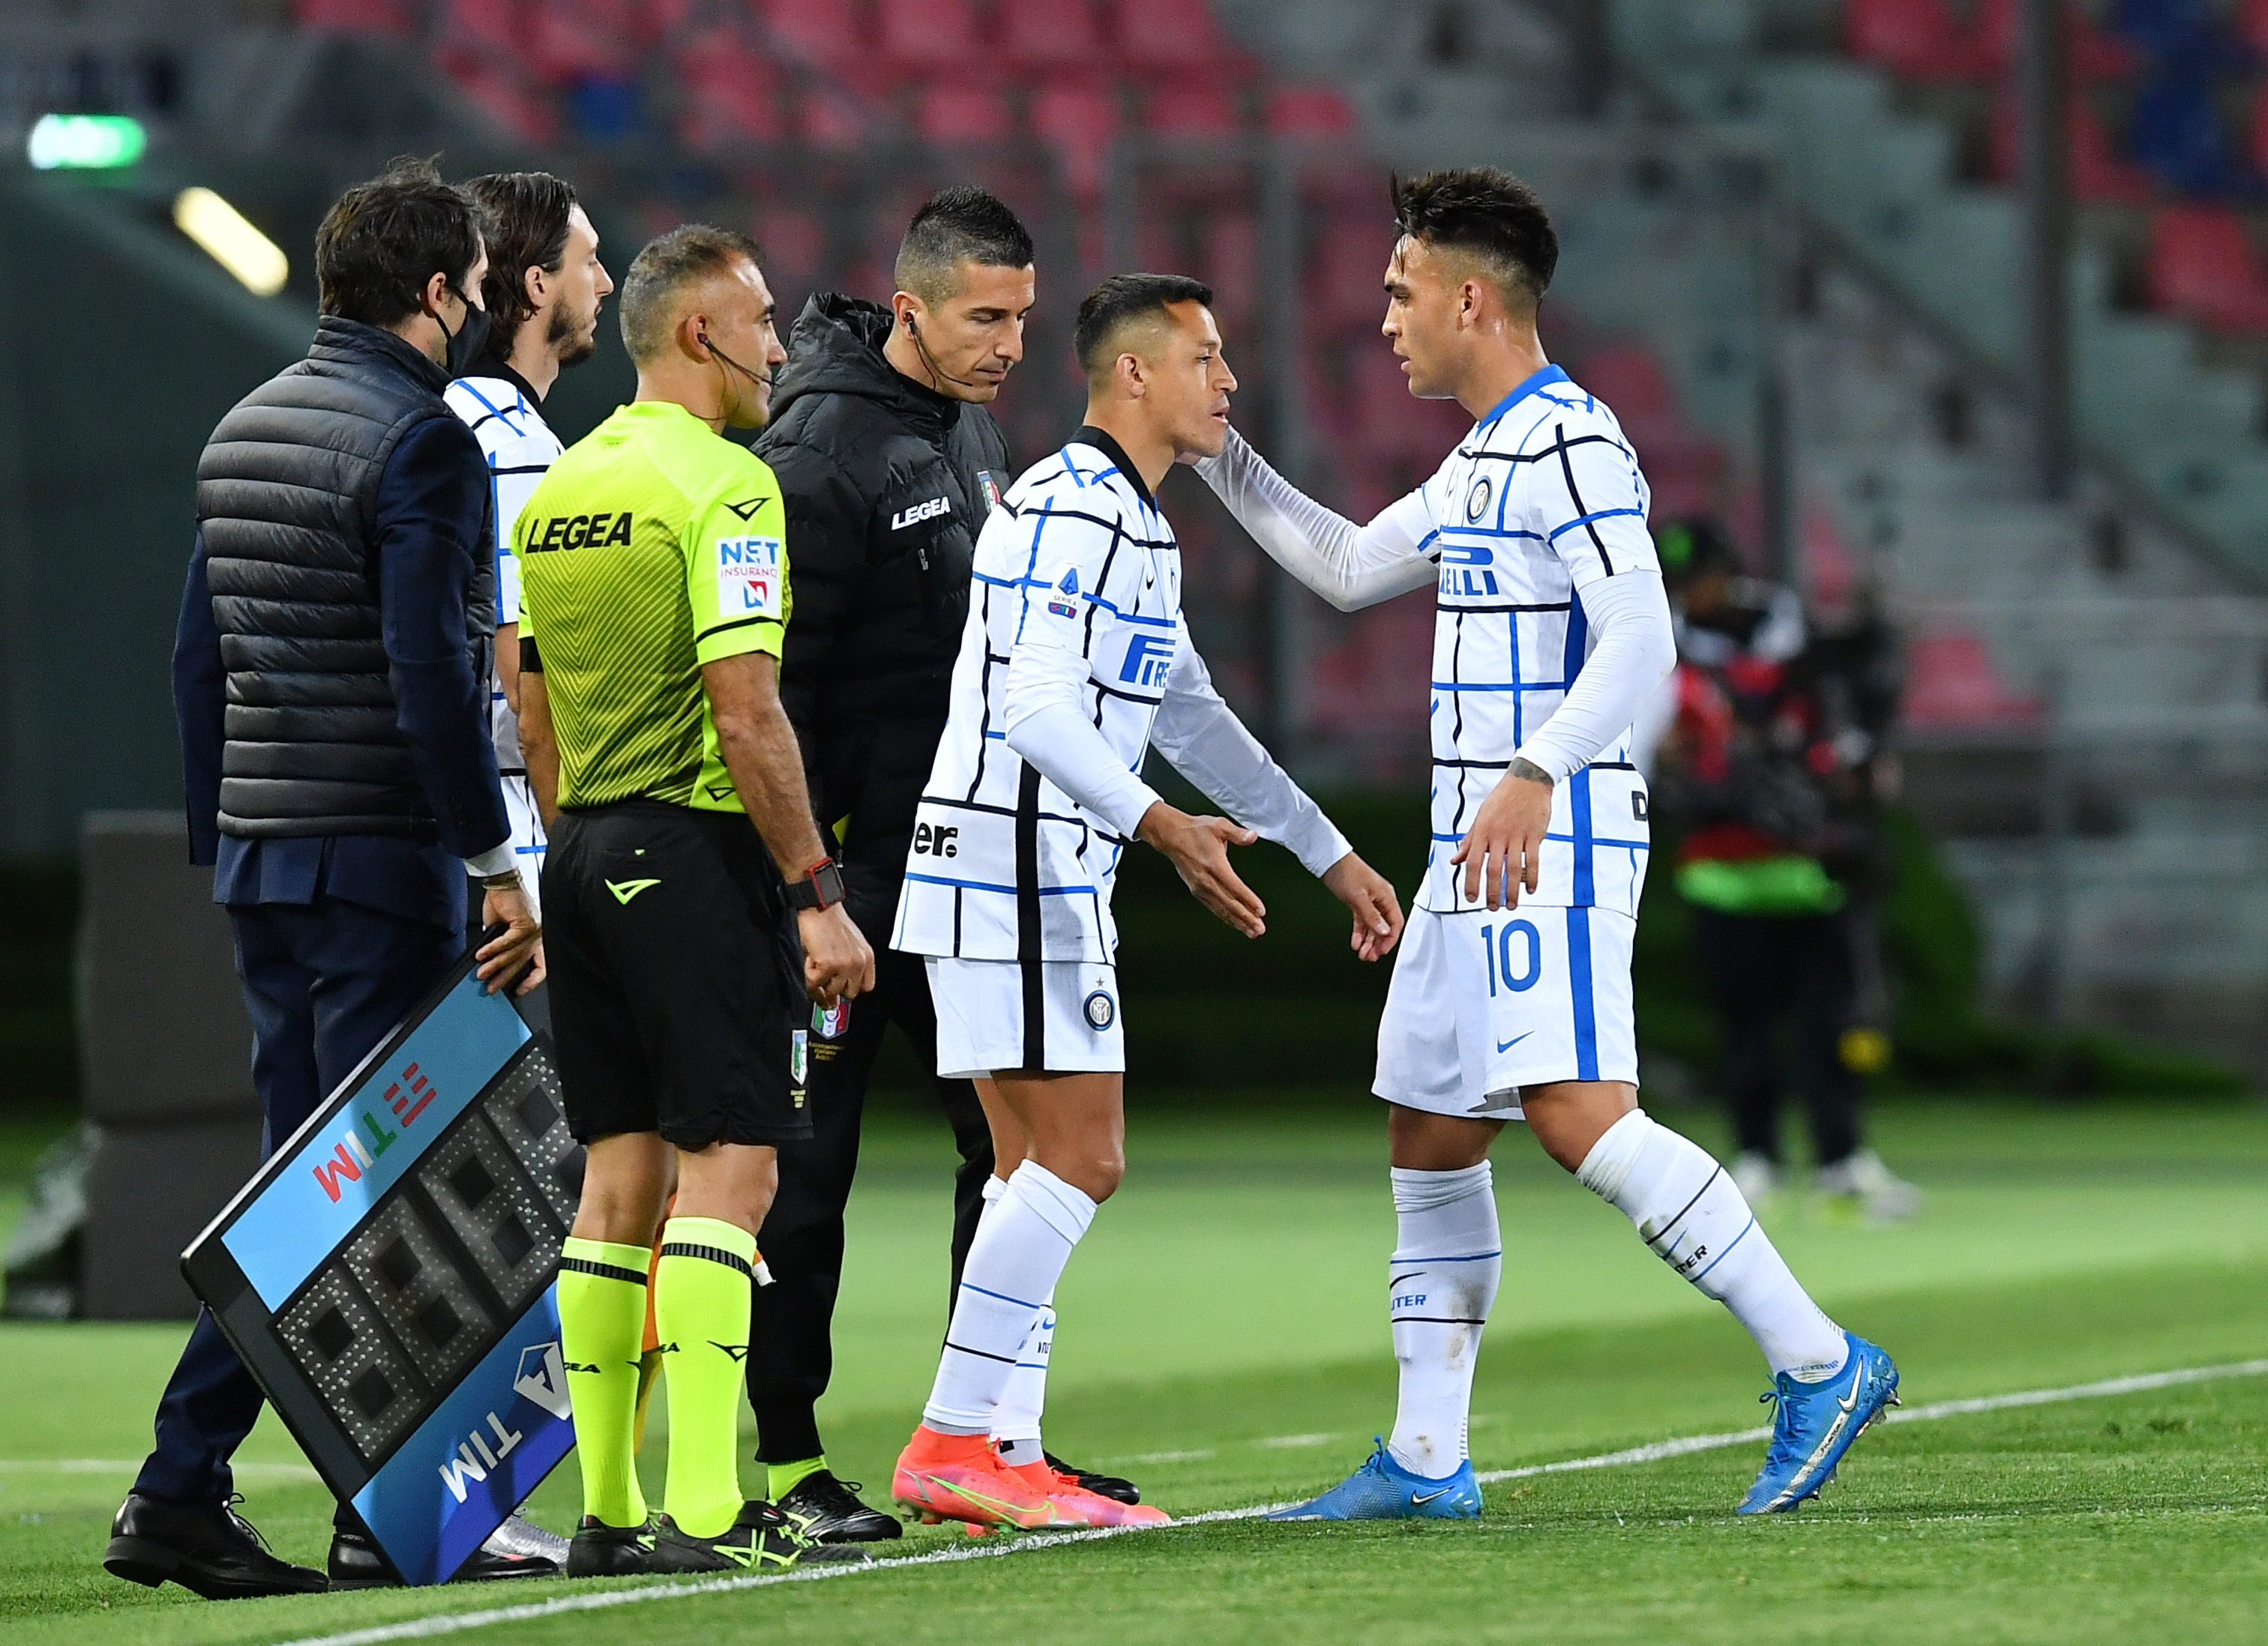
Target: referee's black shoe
x=357, y=1562
x=762, y=1540
x=828, y=1510
x=1108, y=1486
x=598, y=1550
x=208, y=1548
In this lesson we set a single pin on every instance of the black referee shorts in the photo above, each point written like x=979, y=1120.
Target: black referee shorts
x=677, y=1000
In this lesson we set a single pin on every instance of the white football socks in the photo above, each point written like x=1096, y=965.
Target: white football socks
x=1690, y=1212
x=1016, y=1425
x=1447, y=1259
x=1022, y=1242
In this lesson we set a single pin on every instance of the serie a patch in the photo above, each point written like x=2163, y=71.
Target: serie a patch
x=748, y=577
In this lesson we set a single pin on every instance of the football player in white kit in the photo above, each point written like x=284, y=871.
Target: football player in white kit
x=1511, y=997
x=543, y=289
x=1075, y=662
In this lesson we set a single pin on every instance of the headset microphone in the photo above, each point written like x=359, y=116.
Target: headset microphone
x=764, y=378
x=930, y=360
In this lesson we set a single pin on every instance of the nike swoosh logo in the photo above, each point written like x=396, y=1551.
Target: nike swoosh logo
x=1398, y=1279
x=1506, y=1046
x=1418, y=1500
x=625, y=890
x=745, y=510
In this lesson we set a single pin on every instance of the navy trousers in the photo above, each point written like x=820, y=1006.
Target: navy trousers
x=325, y=982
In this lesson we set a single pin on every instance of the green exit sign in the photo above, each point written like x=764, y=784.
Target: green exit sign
x=84, y=142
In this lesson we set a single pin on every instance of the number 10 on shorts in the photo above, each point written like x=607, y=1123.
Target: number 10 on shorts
x=1515, y=956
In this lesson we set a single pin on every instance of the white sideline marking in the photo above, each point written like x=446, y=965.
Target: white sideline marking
x=1162, y=1456
x=450, y=1623
x=1279, y=1443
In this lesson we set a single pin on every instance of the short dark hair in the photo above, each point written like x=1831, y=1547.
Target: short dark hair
x=666, y=265
x=524, y=220
x=1123, y=299
x=962, y=222
x=1487, y=214
x=382, y=240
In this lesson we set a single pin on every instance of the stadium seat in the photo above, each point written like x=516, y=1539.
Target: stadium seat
x=822, y=34
x=920, y=36
x=732, y=91
x=1158, y=34
x=2204, y=266
x=2177, y=135
x=356, y=16
x=2095, y=55
x=604, y=109
x=503, y=95
x=1197, y=109
x=1231, y=266
x=794, y=244
x=1346, y=264
x=497, y=31
x=831, y=116
x=572, y=41
x=1951, y=682
x=1307, y=111
x=1682, y=464
x=954, y=110
x=1921, y=40
x=1037, y=35
x=1079, y=122
x=2179, y=33
x=2098, y=173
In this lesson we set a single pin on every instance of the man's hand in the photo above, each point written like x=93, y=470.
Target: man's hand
x=521, y=944
x=1198, y=847
x=1377, y=910
x=1504, y=849
x=837, y=962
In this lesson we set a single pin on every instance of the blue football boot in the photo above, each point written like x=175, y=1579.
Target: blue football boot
x=1382, y=1489
x=1816, y=1424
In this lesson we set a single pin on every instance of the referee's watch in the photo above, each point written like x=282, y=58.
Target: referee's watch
x=819, y=887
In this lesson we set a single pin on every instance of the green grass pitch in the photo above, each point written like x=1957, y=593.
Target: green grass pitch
x=1222, y=1340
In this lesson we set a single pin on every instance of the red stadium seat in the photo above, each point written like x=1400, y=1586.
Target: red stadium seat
x=2204, y=266
x=578, y=39
x=494, y=30
x=2252, y=25
x=923, y=35
x=732, y=91
x=1308, y=111
x=1192, y=110
x=1170, y=35
x=832, y=117
x=1951, y=682
x=824, y=33
x=1921, y=40
x=515, y=105
x=356, y=16
x=1043, y=34
x=1683, y=466
x=957, y=112
x=2094, y=54
x=1232, y=264
x=1346, y=270
x=794, y=244
x=2098, y=173
x=1081, y=123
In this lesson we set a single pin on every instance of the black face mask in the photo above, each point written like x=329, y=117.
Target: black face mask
x=468, y=341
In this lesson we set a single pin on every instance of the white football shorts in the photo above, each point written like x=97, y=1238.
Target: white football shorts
x=1484, y=1003
x=1060, y=1016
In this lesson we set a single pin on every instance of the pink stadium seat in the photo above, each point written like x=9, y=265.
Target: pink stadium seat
x=576, y=40
x=1921, y=40
x=732, y=91
x=2097, y=170
x=2252, y=25
x=1631, y=382
x=822, y=33
x=506, y=98
x=1081, y=123
x=1192, y=110
x=1683, y=466
x=1170, y=35
x=2204, y=266
x=1308, y=111
x=832, y=117
x=495, y=29
x=1951, y=682
x=922, y=35
x=1041, y=34
x=958, y=112
x=356, y=16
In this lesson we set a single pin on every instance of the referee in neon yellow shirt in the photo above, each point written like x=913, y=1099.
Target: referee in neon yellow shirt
x=654, y=593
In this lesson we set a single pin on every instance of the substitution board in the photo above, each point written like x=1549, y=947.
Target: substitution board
x=387, y=1275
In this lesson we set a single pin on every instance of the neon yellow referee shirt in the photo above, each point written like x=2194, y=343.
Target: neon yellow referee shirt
x=651, y=546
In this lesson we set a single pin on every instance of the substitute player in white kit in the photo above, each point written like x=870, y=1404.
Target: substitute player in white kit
x=1075, y=662
x=1514, y=991
x=543, y=289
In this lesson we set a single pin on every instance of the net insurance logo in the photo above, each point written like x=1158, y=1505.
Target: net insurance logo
x=747, y=577
x=368, y=1135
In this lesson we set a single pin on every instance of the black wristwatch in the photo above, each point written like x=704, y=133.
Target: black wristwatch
x=819, y=886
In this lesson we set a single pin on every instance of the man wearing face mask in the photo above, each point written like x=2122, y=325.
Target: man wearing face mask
x=330, y=680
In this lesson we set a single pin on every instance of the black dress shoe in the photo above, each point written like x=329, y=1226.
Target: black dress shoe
x=1101, y=1485
x=357, y=1562
x=829, y=1511
x=208, y=1548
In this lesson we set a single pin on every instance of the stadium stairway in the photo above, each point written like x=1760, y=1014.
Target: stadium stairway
x=2087, y=716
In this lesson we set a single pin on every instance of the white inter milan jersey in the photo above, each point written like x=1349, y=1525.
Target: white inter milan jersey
x=519, y=446
x=1541, y=501
x=1078, y=585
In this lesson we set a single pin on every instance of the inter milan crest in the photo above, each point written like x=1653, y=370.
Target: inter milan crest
x=1476, y=500
x=1101, y=1011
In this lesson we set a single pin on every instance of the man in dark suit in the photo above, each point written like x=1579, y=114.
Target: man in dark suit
x=330, y=677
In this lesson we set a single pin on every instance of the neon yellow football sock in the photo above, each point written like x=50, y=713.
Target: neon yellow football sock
x=601, y=1325
x=784, y=1477
x=701, y=1312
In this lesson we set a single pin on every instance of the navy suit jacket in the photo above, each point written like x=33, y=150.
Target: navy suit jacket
x=432, y=519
